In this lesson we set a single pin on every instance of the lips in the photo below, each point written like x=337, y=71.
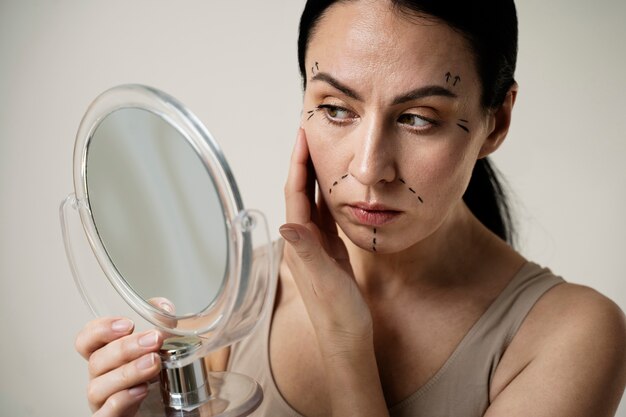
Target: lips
x=373, y=214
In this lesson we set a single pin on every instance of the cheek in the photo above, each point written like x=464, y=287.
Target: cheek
x=440, y=176
x=447, y=169
x=329, y=160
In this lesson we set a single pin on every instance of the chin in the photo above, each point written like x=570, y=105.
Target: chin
x=379, y=240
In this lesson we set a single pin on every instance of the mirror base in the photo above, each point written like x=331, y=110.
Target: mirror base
x=232, y=395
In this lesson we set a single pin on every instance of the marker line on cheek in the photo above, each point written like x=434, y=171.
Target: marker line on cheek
x=412, y=191
x=330, y=190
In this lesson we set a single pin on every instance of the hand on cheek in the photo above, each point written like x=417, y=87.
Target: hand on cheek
x=319, y=263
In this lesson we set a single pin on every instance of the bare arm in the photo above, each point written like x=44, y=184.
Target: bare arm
x=578, y=362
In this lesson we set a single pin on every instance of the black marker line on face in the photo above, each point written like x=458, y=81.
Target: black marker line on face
x=412, y=190
x=374, y=241
x=330, y=190
x=311, y=113
x=463, y=127
x=315, y=68
x=456, y=78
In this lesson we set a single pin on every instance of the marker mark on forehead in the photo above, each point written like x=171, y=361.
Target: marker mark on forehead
x=455, y=79
x=315, y=68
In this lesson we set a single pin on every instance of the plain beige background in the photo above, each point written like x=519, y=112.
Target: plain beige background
x=234, y=65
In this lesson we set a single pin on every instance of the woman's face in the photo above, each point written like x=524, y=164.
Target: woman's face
x=393, y=122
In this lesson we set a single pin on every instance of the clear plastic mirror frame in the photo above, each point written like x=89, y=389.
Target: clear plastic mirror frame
x=251, y=271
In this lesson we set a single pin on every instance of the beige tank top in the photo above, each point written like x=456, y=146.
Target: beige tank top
x=459, y=388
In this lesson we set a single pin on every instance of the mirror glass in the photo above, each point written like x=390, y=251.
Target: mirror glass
x=156, y=210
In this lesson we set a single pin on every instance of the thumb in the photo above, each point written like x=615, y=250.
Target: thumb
x=167, y=307
x=303, y=241
x=164, y=304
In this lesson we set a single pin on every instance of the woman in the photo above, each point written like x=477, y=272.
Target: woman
x=398, y=294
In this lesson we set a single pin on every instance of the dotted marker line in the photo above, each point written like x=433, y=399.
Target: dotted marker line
x=412, y=190
x=374, y=241
x=330, y=190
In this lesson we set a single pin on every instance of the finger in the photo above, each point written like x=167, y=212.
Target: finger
x=311, y=265
x=164, y=304
x=99, y=332
x=169, y=309
x=326, y=221
x=334, y=245
x=123, y=403
x=298, y=205
x=132, y=374
x=311, y=180
x=297, y=236
x=122, y=351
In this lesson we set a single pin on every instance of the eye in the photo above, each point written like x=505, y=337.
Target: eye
x=337, y=114
x=415, y=121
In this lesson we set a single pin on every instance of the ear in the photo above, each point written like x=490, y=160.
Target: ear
x=499, y=123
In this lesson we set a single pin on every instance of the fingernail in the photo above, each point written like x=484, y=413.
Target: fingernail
x=122, y=325
x=289, y=234
x=167, y=307
x=148, y=340
x=145, y=362
x=138, y=391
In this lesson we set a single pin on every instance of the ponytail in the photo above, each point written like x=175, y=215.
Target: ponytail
x=487, y=200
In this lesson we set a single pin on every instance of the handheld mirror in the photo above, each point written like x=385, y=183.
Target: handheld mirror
x=163, y=216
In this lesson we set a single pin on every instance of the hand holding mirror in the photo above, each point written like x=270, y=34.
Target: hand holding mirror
x=163, y=216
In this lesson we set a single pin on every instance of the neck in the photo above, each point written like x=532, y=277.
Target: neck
x=445, y=258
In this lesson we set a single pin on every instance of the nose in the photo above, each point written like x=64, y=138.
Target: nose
x=374, y=158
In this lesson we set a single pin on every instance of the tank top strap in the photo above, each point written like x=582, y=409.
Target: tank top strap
x=507, y=313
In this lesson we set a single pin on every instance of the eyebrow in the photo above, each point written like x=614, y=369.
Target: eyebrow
x=418, y=93
x=323, y=76
x=421, y=92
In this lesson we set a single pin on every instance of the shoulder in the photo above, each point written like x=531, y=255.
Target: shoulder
x=575, y=312
x=571, y=346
